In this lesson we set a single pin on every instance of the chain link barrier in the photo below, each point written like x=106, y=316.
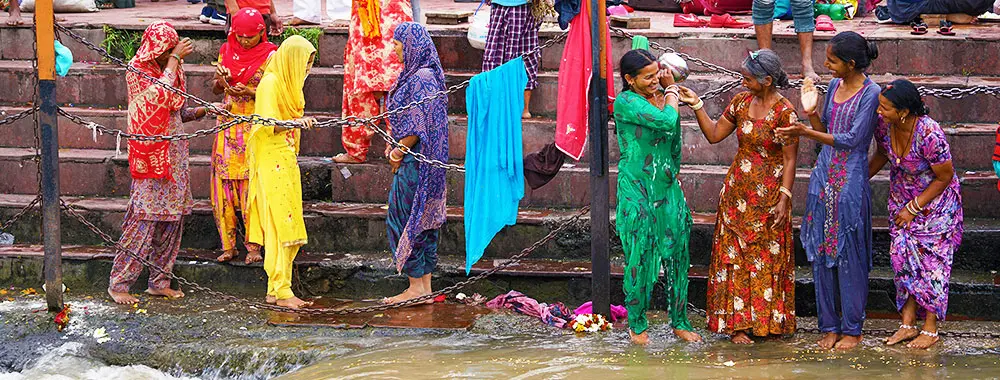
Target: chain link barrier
x=10, y=119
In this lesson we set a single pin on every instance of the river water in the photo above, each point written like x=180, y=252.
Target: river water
x=542, y=354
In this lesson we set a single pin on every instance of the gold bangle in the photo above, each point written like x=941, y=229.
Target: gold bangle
x=784, y=190
x=392, y=157
x=916, y=205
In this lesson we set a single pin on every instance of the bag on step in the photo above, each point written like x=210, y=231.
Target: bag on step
x=63, y=6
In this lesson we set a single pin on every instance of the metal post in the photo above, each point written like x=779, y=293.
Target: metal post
x=48, y=127
x=599, y=186
x=415, y=7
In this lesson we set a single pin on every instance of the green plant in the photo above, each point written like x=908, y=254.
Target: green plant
x=121, y=43
x=310, y=34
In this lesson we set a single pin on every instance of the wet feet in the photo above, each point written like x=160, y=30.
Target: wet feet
x=293, y=303
x=902, y=335
x=227, y=255
x=165, y=292
x=741, y=337
x=254, y=257
x=640, y=339
x=270, y=300
x=345, y=159
x=924, y=341
x=407, y=295
x=848, y=342
x=122, y=298
x=689, y=336
x=828, y=341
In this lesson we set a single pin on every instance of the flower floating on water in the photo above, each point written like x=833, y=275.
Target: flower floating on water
x=590, y=323
x=101, y=335
x=460, y=296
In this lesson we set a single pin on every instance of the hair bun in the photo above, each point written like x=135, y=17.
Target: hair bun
x=872, y=50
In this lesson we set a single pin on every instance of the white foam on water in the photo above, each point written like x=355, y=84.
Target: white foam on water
x=66, y=362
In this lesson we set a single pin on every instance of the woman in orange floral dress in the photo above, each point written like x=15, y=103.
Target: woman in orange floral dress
x=751, y=286
x=370, y=68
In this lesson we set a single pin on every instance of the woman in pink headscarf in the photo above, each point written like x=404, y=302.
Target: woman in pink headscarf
x=242, y=60
x=160, y=195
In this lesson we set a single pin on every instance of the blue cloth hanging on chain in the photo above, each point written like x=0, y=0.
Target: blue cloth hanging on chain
x=64, y=59
x=494, y=170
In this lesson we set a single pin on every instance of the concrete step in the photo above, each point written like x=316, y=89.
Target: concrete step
x=968, y=140
x=91, y=172
x=355, y=227
x=972, y=294
x=103, y=86
x=969, y=53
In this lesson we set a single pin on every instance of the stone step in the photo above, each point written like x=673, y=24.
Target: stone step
x=969, y=53
x=972, y=294
x=103, y=86
x=968, y=140
x=91, y=172
x=354, y=227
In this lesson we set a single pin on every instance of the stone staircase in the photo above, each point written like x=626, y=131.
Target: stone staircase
x=344, y=211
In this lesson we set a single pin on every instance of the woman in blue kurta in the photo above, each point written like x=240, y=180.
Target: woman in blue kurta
x=836, y=229
x=417, y=197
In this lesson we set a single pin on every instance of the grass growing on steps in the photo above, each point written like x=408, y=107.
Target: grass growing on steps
x=310, y=34
x=121, y=43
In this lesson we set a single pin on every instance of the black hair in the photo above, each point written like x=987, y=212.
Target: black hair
x=633, y=62
x=850, y=46
x=764, y=63
x=904, y=95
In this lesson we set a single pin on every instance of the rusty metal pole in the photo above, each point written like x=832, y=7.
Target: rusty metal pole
x=599, y=180
x=49, y=132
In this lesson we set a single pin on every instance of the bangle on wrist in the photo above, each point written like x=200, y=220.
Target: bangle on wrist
x=177, y=57
x=698, y=105
x=786, y=192
x=392, y=155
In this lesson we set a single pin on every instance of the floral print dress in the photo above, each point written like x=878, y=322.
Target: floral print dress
x=751, y=285
x=922, y=252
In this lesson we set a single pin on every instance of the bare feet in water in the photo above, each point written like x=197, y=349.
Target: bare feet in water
x=345, y=159
x=270, y=300
x=848, y=342
x=640, y=339
x=293, y=303
x=407, y=295
x=689, y=336
x=902, y=335
x=165, y=292
x=122, y=298
x=741, y=337
x=828, y=341
x=227, y=255
x=924, y=341
x=254, y=257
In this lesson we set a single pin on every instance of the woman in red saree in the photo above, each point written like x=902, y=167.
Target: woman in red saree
x=370, y=68
x=160, y=194
x=242, y=60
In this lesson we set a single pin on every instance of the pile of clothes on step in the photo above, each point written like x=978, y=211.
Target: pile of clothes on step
x=555, y=315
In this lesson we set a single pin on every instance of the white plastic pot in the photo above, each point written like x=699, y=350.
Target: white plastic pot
x=480, y=28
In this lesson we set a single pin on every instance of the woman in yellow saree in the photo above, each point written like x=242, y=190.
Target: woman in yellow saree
x=274, y=199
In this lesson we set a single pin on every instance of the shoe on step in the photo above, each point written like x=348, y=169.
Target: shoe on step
x=217, y=19
x=727, y=21
x=688, y=20
x=206, y=14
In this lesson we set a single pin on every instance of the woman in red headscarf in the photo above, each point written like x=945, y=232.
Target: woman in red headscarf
x=160, y=195
x=242, y=60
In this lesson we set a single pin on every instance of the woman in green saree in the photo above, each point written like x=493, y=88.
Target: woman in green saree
x=653, y=219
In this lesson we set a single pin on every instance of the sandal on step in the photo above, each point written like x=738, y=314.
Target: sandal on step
x=919, y=27
x=945, y=28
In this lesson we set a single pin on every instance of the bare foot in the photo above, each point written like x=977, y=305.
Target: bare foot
x=165, y=292
x=828, y=341
x=407, y=295
x=640, y=339
x=848, y=342
x=122, y=298
x=526, y=114
x=15, y=18
x=741, y=337
x=227, y=255
x=293, y=303
x=346, y=159
x=924, y=341
x=689, y=336
x=270, y=300
x=253, y=257
x=902, y=335
x=809, y=72
x=297, y=21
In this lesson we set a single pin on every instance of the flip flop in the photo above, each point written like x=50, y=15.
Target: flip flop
x=945, y=28
x=825, y=24
x=919, y=27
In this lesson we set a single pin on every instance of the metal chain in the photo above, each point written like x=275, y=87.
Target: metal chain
x=9, y=119
x=21, y=213
x=101, y=129
x=69, y=209
x=655, y=45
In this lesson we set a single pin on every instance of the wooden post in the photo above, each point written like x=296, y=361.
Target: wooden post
x=600, y=219
x=49, y=132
